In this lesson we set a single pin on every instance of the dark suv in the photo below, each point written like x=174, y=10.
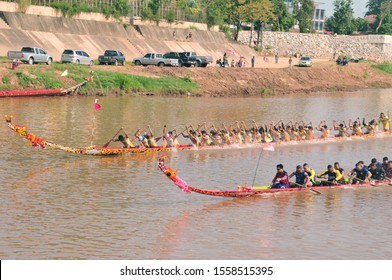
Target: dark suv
x=183, y=60
x=112, y=57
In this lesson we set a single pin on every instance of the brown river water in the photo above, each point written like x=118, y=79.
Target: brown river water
x=64, y=206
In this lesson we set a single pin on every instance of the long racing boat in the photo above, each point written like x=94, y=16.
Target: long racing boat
x=111, y=151
x=249, y=191
x=46, y=92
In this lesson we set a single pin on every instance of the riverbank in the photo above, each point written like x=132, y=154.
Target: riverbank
x=212, y=81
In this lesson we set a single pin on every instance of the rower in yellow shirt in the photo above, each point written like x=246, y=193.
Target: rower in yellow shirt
x=332, y=175
x=355, y=127
x=385, y=121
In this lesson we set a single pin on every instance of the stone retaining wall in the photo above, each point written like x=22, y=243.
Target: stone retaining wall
x=375, y=47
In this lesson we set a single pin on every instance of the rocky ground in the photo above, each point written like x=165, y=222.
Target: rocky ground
x=319, y=45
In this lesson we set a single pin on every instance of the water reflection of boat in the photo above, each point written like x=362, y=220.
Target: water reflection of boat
x=249, y=191
x=111, y=151
x=45, y=92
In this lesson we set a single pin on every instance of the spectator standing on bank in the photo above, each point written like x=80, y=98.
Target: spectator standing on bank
x=276, y=58
x=253, y=61
x=174, y=35
x=290, y=62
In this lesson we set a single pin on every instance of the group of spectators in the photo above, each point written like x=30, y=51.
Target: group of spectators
x=224, y=62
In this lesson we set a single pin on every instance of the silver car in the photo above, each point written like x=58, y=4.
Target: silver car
x=76, y=56
x=306, y=61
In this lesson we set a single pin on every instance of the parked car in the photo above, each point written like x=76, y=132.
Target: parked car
x=201, y=61
x=31, y=55
x=305, y=61
x=183, y=60
x=76, y=56
x=112, y=57
x=155, y=59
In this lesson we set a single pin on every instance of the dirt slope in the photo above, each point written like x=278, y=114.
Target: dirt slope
x=214, y=81
x=323, y=76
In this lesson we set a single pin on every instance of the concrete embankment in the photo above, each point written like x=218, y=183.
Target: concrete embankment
x=44, y=27
x=55, y=34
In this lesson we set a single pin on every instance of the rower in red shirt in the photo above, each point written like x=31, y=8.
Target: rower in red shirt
x=281, y=179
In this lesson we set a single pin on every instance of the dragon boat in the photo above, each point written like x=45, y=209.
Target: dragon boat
x=46, y=92
x=252, y=191
x=112, y=151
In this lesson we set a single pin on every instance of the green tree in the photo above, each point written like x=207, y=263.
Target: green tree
x=303, y=13
x=215, y=11
x=360, y=25
x=236, y=14
x=385, y=10
x=374, y=6
x=284, y=19
x=342, y=20
x=386, y=27
x=258, y=13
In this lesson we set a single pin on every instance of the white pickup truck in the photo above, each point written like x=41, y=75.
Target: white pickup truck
x=155, y=59
x=31, y=55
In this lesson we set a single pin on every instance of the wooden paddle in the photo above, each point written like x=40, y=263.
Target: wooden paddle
x=107, y=144
x=363, y=181
x=310, y=189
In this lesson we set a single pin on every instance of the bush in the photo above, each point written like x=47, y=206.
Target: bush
x=23, y=5
x=170, y=17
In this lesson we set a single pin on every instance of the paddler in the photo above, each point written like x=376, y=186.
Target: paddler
x=360, y=174
x=205, y=139
x=311, y=174
x=371, y=127
x=226, y=135
x=284, y=134
x=142, y=138
x=294, y=131
x=274, y=132
x=385, y=121
x=356, y=127
x=384, y=164
x=127, y=143
x=341, y=129
x=192, y=135
x=246, y=134
x=216, y=136
x=309, y=131
x=341, y=170
x=301, y=178
x=256, y=133
x=376, y=162
x=281, y=179
x=333, y=176
x=324, y=129
x=150, y=138
x=302, y=131
x=378, y=173
x=388, y=172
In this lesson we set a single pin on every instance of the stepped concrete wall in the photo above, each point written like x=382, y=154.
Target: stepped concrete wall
x=63, y=25
x=54, y=34
x=166, y=34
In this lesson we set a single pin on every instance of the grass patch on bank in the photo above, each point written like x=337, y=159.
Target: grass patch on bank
x=385, y=67
x=104, y=82
x=113, y=81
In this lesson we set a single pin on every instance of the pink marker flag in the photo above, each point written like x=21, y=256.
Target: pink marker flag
x=97, y=106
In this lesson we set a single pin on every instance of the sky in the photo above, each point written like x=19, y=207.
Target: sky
x=359, y=7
